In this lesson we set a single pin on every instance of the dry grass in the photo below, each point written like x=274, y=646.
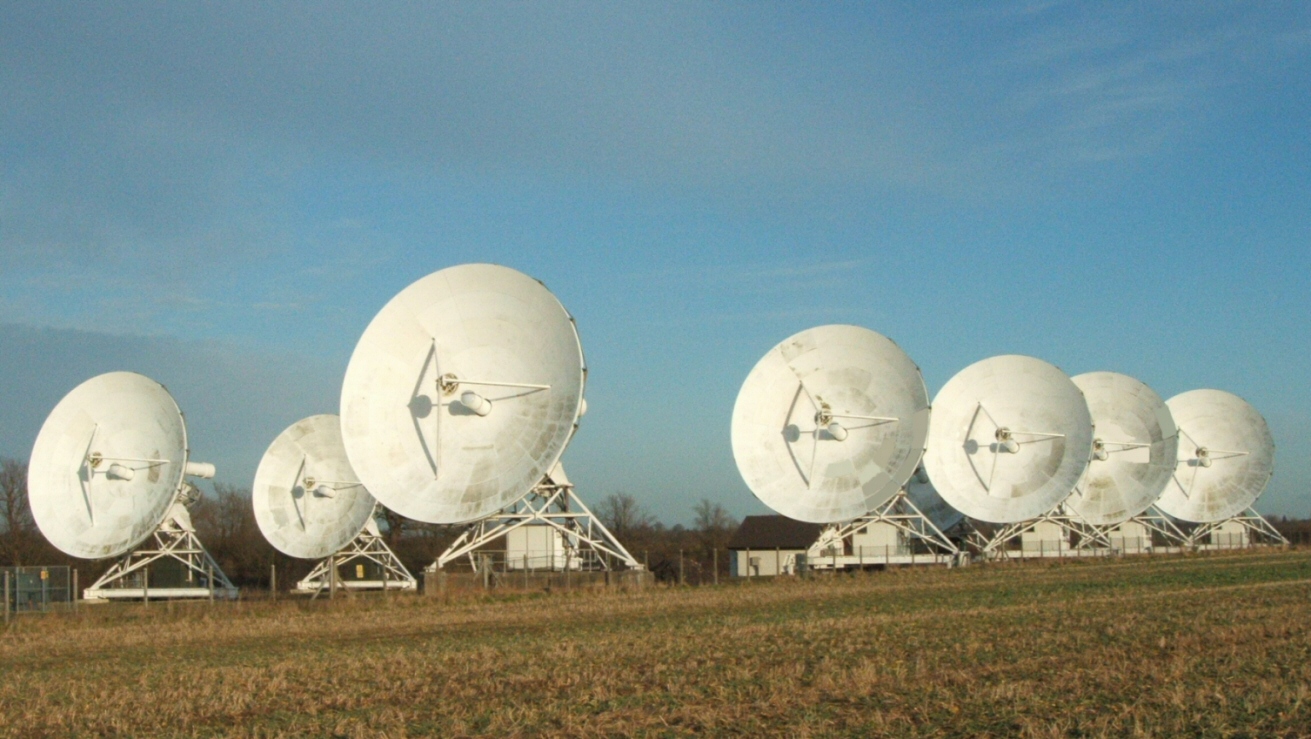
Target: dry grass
x=1217, y=645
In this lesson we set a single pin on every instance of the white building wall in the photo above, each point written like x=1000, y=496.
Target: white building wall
x=879, y=541
x=766, y=562
x=1131, y=537
x=537, y=548
x=1230, y=535
x=1044, y=537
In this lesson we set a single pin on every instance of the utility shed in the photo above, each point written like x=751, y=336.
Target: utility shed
x=769, y=545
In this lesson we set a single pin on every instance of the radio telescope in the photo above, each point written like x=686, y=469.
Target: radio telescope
x=1011, y=435
x=107, y=478
x=829, y=426
x=1226, y=458
x=459, y=400
x=309, y=504
x=1133, y=450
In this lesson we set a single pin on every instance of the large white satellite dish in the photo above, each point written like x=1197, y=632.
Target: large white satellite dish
x=1226, y=457
x=308, y=501
x=1010, y=437
x=107, y=478
x=462, y=393
x=107, y=465
x=1133, y=450
x=830, y=423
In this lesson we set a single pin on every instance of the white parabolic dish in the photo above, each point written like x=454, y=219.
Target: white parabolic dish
x=1226, y=457
x=107, y=465
x=1134, y=449
x=308, y=501
x=1010, y=437
x=830, y=423
x=462, y=393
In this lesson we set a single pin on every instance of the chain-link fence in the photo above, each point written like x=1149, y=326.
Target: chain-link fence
x=41, y=588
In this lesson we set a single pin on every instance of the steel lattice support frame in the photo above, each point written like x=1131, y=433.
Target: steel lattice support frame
x=371, y=547
x=1253, y=522
x=899, y=512
x=549, y=504
x=992, y=546
x=174, y=539
x=1157, y=522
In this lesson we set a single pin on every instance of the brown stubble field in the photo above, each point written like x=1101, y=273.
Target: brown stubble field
x=1215, y=645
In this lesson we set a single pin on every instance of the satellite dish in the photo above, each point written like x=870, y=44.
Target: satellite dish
x=308, y=501
x=108, y=464
x=925, y=497
x=462, y=393
x=1226, y=457
x=1010, y=437
x=1134, y=449
x=830, y=423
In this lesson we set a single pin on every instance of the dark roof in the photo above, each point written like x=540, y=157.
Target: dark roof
x=768, y=532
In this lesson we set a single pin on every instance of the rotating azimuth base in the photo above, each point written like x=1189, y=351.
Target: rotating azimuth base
x=587, y=544
x=174, y=541
x=367, y=548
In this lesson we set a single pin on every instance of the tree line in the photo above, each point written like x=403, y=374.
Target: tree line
x=225, y=524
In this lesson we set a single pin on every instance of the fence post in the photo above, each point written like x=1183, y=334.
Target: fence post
x=714, y=559
x=332, y=576
x=681, y=581
x=525, y=570
x=778, y=562
x=75, y=592
x=6, y=597
x=748, y=564
x=145, y=585
x=273, y=582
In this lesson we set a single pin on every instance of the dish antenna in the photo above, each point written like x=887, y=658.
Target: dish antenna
x=1134, y=449
x=459, y=401
x=1010, y=438
x=309, y=504
x=108, y=475
x=1226, y=457
x=828, y=427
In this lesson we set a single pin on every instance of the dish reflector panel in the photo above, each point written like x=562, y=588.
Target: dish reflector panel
x=107, y=465
x=1226, y=457
x=308, y=501
x=925, y=497
x=462, y=393
x=1134, y=448
x=1010, y=437
x=830, y=423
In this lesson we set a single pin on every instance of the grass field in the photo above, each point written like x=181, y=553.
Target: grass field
x=1189, y=645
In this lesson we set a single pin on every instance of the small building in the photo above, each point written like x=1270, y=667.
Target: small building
x=1045, y=539
x=769, y=545
x=536, y=547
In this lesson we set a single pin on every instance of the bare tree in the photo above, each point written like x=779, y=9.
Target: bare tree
x=623, y=515
x=714, y=526
x=226, y=525
x=18, y=535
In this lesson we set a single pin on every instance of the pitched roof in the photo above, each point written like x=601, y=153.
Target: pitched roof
x=768, y=532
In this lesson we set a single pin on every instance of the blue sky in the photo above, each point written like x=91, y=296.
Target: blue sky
x=223, y=195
